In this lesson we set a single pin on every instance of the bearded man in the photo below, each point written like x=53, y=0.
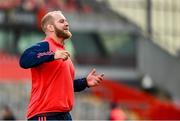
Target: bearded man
x=53, y=83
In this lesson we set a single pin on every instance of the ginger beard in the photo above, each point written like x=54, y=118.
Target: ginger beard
x=66, y=34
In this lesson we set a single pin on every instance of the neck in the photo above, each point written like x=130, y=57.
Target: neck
x=57, y=39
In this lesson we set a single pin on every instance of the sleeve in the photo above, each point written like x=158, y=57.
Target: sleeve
x=36, y=55
x=80, y=84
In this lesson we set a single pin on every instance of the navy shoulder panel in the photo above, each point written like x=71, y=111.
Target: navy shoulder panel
x=41, y=46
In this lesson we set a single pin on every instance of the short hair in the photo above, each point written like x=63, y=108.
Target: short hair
x=48, y=18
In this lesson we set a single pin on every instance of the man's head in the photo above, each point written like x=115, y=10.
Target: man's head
x=55, y=23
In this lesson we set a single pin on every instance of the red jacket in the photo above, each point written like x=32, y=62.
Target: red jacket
x=52, y=80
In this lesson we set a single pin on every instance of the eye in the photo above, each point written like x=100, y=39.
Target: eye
x=61, y=20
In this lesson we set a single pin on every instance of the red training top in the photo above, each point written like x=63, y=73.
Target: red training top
x=52, y=83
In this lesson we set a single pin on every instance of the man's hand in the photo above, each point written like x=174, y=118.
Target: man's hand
x=61, y=54
x=94, y=79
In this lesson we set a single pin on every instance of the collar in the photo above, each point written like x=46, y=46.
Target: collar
x=50, y=39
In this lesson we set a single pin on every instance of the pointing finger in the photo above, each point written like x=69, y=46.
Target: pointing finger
x=93, y=71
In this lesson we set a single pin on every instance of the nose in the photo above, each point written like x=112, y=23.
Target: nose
x=66, y=24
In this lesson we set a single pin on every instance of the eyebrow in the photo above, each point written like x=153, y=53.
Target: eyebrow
x=62, y=19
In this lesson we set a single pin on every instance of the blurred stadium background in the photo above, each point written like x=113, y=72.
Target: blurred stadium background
x=136, y=43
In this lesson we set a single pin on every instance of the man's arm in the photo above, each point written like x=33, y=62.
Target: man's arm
x=36, y=55
x=80, y=84
x=92, y=80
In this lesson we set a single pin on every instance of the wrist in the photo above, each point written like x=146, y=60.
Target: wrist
x=85, y=81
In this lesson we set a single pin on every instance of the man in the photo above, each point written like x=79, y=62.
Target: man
x=53, y=84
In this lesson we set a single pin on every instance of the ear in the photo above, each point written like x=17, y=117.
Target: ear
x=50, y=27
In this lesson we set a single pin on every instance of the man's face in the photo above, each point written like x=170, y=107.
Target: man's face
x=61, y=26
